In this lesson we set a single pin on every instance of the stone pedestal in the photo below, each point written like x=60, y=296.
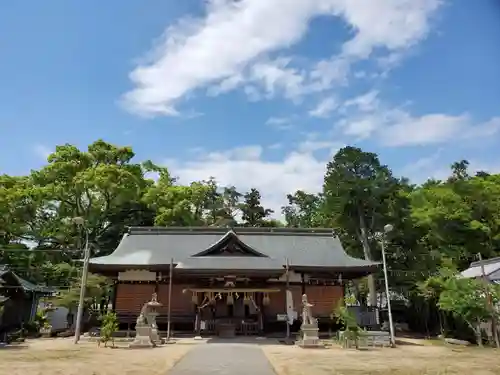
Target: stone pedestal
x=155, y=337
x=309, y=337
x=142, y=337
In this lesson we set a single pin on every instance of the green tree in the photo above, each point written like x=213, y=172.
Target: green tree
x=303, y=210
x=467, y=299
x=18, y=207
x=231, y=198
x=97, y=295
x=95, y=185
x=459, y=218
x=253, y=213
x=358, y=191
x=459, y=171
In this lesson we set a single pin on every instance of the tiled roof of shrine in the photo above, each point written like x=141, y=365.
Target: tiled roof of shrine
x=210, y=248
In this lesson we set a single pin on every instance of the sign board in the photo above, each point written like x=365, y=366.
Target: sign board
x=137, y=275
x=282, y=317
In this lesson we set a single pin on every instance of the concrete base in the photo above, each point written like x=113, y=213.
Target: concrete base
x=138, y=344
x=142, y=337
x=155, y=337
x=310, y=338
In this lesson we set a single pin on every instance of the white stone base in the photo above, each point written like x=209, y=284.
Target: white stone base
x=155, y=337
x=142, y=337
x=145, y=343
x=309, y=337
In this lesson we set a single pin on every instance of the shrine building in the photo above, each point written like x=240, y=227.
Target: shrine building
x=224, y=276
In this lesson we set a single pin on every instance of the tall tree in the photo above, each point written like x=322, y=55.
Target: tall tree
x=231, y=199
x=358, y=191
x=459, y=171
x=17, y=208
x=94, y=185
x=303, y=210
x=253, y=213
x=460, y=217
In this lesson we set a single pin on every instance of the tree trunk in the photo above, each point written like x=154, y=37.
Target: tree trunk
x=363, y=237
x=479, y=336
x=441, y=326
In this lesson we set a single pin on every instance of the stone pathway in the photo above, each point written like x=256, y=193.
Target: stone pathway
x=224, y=359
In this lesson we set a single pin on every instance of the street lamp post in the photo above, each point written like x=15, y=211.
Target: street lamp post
x=388, y=228
x=81, y=223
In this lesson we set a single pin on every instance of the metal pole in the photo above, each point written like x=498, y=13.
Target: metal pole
x=490, y=303
x=286, y=299
x=391, y=325
x=83, y=285
x=169, y=296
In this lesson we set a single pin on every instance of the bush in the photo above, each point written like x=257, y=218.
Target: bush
x=109, y=326
x=41, y=320
x=352, y=331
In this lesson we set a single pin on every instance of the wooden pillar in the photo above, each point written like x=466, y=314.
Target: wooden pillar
x=198, y=321
x=115, y=296
x=260, y=305
x=303, y=283
x=157, y=282
x=169, y=312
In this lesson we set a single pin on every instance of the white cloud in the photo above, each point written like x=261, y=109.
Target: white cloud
x=365, y=103
x=402, y=23
x=360, y=128
x=42, y=151
x=281, y=123
x=368, y=116
x=245, y=153
x=406, y=130
x=277, y=76
x=324, y=108
x=435, y=167
x=310, y=146
x=314, y=142
x=275, y=146
x=232, y=43
x=277, y=120
x=228, y=84
x=246, y=168
x=426, y=167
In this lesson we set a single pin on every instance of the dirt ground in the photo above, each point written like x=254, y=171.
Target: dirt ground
x=416, y=359
x=61, y=356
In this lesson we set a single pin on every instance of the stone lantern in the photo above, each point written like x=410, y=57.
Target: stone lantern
x=153, y=312
x=146, y=329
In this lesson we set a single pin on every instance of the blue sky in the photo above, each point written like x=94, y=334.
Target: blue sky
x=256, y=93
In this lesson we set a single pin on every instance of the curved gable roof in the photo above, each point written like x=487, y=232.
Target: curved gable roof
x=190, y=248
